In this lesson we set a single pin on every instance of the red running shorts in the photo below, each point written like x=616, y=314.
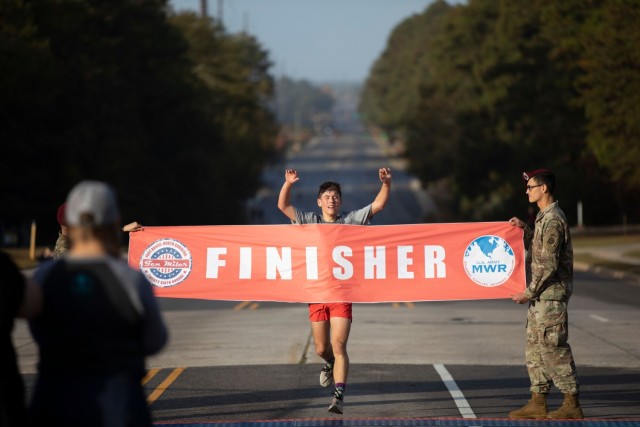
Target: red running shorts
x=323, y=312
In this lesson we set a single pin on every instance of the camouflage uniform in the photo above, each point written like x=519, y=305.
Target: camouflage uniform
x=62, y=246
x=549, y=264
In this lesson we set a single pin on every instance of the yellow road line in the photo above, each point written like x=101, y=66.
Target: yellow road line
x=150, y=374
x=398, y=305
x=164, y=385
x=254, y=306
x=242, y=305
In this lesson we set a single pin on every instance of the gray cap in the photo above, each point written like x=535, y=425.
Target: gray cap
x=94, y=198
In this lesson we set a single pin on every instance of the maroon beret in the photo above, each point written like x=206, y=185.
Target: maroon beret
x=526, y=176
x=60, y=216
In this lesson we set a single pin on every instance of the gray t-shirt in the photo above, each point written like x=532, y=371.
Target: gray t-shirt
x=359, y=217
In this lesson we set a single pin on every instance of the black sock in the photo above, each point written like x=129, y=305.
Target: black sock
x=339, y=391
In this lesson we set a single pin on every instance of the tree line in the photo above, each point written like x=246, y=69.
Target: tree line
x=171, y=109
x=475, y=93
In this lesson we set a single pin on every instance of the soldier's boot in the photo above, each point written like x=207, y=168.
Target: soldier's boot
x=570, y=409
x=536, y=408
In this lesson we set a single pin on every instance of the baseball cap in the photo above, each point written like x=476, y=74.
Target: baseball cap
x=94, y=198
x=60, y=215
x=526, y=176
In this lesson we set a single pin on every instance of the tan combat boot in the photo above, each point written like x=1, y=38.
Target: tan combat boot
x=570, y=409
x=536, y=408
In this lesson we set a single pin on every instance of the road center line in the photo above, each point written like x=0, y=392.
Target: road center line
x=164, y=385
x=241, y=305
x=150, y=374
x=599, y=318
x=454, y=391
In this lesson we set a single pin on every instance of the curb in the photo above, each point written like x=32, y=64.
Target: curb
x=604, y=271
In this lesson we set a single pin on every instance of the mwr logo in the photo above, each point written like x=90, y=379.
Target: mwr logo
x=489, y=261
x=166, y=262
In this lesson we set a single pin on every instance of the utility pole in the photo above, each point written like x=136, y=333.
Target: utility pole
x=203, y=8
x=32, y=241
x=221, y=11
x=245, y=22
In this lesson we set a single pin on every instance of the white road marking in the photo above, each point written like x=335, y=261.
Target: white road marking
x=599, y=318
x=454, y=391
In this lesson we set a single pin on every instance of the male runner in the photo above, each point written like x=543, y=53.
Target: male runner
x=331, y=323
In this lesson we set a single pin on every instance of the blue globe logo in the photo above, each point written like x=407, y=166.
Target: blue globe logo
x=489, y=261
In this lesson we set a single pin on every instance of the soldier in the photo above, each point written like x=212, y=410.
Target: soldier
x=63, y=243
x=549, y=266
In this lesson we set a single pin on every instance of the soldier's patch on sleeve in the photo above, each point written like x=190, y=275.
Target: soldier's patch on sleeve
x=553, y=236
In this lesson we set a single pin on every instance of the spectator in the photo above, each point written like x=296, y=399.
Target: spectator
x=15, y=299
x=98, y=322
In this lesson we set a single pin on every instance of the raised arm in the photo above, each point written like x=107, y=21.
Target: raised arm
x=284, y=199
x=383, y=195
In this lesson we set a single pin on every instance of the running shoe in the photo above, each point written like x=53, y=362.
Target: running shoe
x=336, y=405
x=326, y=375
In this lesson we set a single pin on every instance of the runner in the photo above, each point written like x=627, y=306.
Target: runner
x=331, y=323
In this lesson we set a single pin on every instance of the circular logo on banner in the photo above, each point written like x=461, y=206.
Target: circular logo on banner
x=489, y=261
x=166, y=262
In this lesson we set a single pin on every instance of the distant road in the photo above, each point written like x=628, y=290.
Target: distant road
x=353, y=161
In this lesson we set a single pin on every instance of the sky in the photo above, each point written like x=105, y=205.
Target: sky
x=318, y=40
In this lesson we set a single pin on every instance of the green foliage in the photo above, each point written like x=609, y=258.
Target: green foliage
x=234, y=72
x=390, y=94
x=169, y=109
x=610, y=88
x=491, y=88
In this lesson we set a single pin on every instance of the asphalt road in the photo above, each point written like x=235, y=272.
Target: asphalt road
x=255, y=361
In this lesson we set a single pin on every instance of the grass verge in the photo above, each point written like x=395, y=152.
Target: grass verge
x=588, y=241
x=612, y=265
x=21, y=256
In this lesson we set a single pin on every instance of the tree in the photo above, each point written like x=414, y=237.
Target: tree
x=121, y=91
x=504, y=86
x=237, y=86
x=610, y=89
x=391, y=92
x=597, y=43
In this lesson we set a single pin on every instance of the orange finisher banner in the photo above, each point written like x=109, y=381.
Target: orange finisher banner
x=331, y=262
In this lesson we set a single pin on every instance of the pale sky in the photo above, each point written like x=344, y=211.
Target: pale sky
x=318, y=40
